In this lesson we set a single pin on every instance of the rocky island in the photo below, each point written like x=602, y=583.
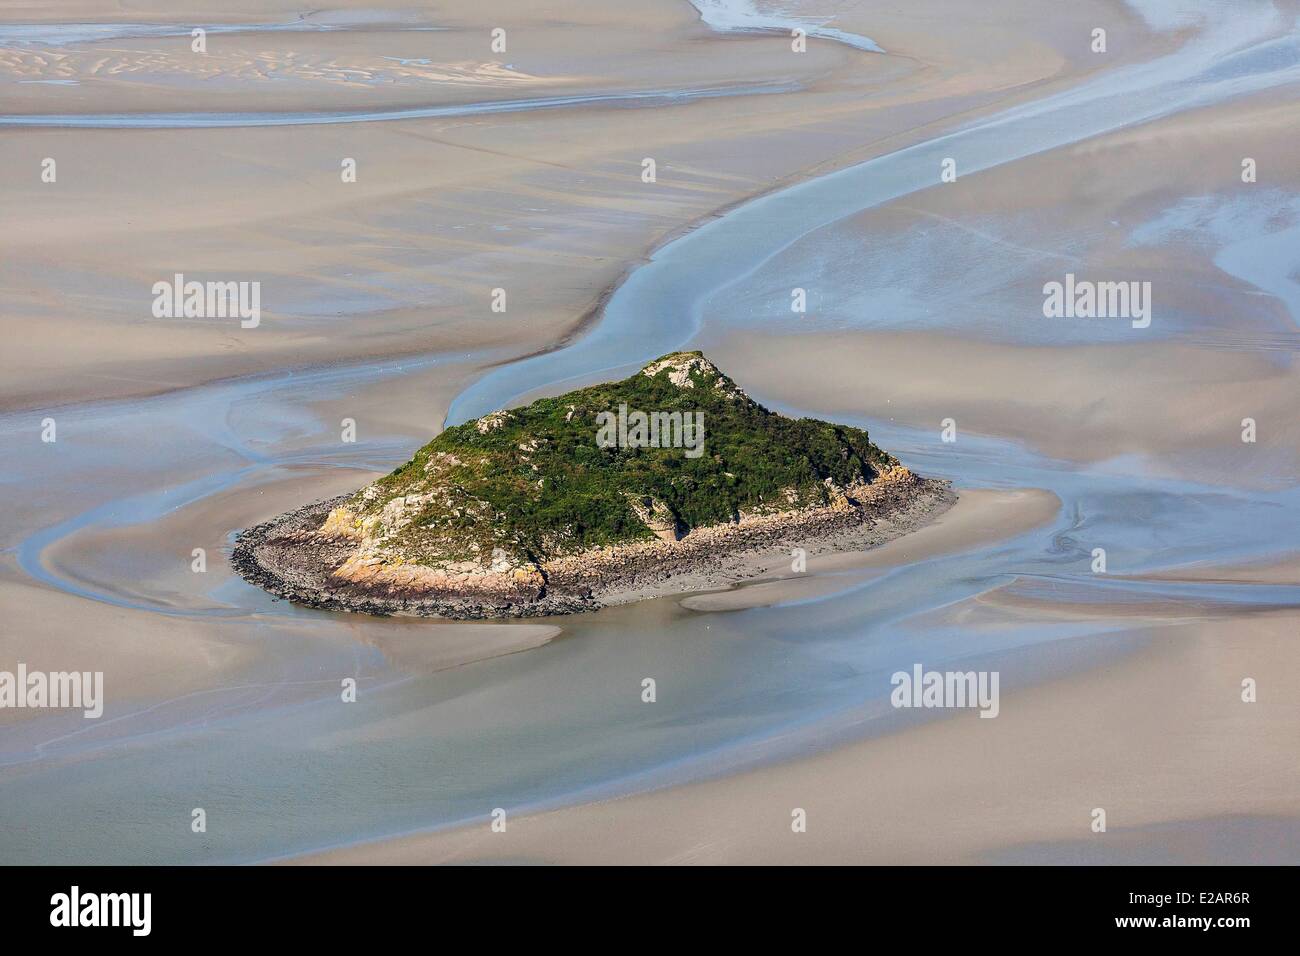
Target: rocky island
x=671, y=480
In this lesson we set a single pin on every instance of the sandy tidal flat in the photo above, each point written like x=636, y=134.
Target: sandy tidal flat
x=523, y=171
x=1020, y=788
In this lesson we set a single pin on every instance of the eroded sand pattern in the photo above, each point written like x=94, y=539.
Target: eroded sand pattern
x=524, y=170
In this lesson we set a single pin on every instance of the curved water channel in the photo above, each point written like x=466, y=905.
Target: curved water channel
x=219, y=120
x=280, y=767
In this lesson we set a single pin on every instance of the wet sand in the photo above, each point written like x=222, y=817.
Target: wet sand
x=1121, y=691
x=1157, y=738
x=464, y=201
x=1160, y=731
x=980, y=517
x=441, y=210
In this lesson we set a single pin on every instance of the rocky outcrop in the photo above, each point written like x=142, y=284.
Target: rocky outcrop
x=500, y=582
x=683, y=368
x=532, y=511
x=658, y=517
x=310, y=556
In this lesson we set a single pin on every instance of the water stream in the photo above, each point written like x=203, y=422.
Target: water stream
x=281, y=767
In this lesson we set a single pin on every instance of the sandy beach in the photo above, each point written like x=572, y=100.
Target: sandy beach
x=980, y=517
x=478, y=170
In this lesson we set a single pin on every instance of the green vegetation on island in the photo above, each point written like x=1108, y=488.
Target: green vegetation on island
x=534, y=483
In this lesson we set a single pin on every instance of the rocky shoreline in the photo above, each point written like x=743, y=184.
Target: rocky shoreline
x=287, y=557
x=291, y=558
